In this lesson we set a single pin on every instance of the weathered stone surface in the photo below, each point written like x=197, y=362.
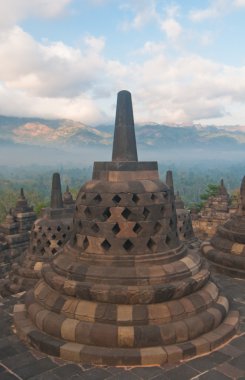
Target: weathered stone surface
x=226, y=249
x=49, y=233
x=124, y=290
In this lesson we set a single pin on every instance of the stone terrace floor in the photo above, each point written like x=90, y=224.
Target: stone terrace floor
x=18, y=361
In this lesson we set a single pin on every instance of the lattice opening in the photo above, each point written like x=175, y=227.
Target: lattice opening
x=98, y=198
x=116, y=199
x=49, y=229
x=146, y=212
x=58, y=228
x=171, y=223
x=165, y=194
x=59, y=243
x=128, y=245
x=87, y=212
x=53, y=236
x=135, y=198
x=80, y=224
x=137, y=228
x=116, y=229
x=38, y=241
x=126, y=213
x=40, y=228
x=68, y=228
x=85, y=243
x=54, y=250
x=162, y=210
x=151, y=244
x=157, y=227
x=44, y=235
x=42, y=251
x=106, y=214
x=167, y=240
x=64, y=236
x=106, y=245
x=83, y=196
x=95, y=228
x=48, y=244
x=153, y=197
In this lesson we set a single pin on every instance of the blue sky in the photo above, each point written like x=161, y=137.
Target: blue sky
x=183, y=61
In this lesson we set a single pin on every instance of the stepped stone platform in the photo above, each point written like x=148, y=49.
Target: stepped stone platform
x=226, y=250
x=48, y=235
x=20, y=361
x=124, y=291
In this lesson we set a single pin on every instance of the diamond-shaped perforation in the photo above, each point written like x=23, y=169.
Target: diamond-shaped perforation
x=157, y=227
x=171, y=223
x=54, y=250
x=153, y=197
x=44, y=235
x=42, y=251
x=106, y=214
x=126, y=213
x=116, y=229
x=128, y=245
x=106, y=245
x=137, y=228
x=59, y=243
x=85, y=243
x=98, y=198
x=116, y=199
x=167, y=240
x=165, y=194
x=64, y=236
x=151, y=244
x=87, y=212
x=135, y=198
x=48, y=244
x=53, y=236
x=80, y=224
x=83, y=196
x=146, y=212
x=162, y=210
x=58, y=228
x=95, y=228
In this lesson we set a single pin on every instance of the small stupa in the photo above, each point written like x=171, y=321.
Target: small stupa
x=124, y=290
x=48, y=235
x=226, y=249
x=15, y=231
x=214, y=213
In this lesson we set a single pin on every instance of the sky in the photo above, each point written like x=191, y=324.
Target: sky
x=183, y=61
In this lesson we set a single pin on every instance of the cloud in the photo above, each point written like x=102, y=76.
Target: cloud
x=172, y=28
x=12, y=11
x=217, y=8
x=53, y=69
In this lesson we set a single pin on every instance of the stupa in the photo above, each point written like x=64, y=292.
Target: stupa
x=49, y=233
x=124, y=290
x=16, y=229
x=226, y=250
x=214, y=213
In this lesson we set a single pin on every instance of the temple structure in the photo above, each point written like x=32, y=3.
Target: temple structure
x=124, y=290
x=49, y=233
x=184, y=221
x=226, y=250
x=15, y=232
x=214, y=213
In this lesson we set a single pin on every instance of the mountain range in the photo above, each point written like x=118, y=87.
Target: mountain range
x=62, y=134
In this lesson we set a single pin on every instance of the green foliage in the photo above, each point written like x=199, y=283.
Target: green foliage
x=211, y=191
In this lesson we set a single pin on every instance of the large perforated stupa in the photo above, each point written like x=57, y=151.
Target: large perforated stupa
x=124, y=290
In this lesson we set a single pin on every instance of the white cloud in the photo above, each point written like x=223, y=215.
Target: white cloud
x=144, y=12
x=239, y=3
x=217, y=8
x=172, y=28
x=11, y=11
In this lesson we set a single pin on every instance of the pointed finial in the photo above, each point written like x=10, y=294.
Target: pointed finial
x=22, y=195
x=124, y=143
x=67, y=189
x=242, y=193
x=169, y=179
x=222, y=183
x=56, y=195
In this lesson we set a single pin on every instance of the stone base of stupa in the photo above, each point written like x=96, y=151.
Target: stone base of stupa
x=114, y=356
x=231, y=263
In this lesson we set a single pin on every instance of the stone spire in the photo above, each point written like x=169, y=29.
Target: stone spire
x=169, y=179
x=124, y=144
x=222, y=188
x=56, y=194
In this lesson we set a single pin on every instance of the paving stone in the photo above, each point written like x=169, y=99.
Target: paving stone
x=8, y=376
x=126, y=375
x=97, y=374
x=147, y=372
x=183, y=372
x=68, y=370
x=36, y=368
x=213, y=375
x=218, y=357
x=19, y=360
x=230, y=370
x=7, y=351
x=231, y=351
x=239, y=342
x=201, y=364
x=239, y=362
